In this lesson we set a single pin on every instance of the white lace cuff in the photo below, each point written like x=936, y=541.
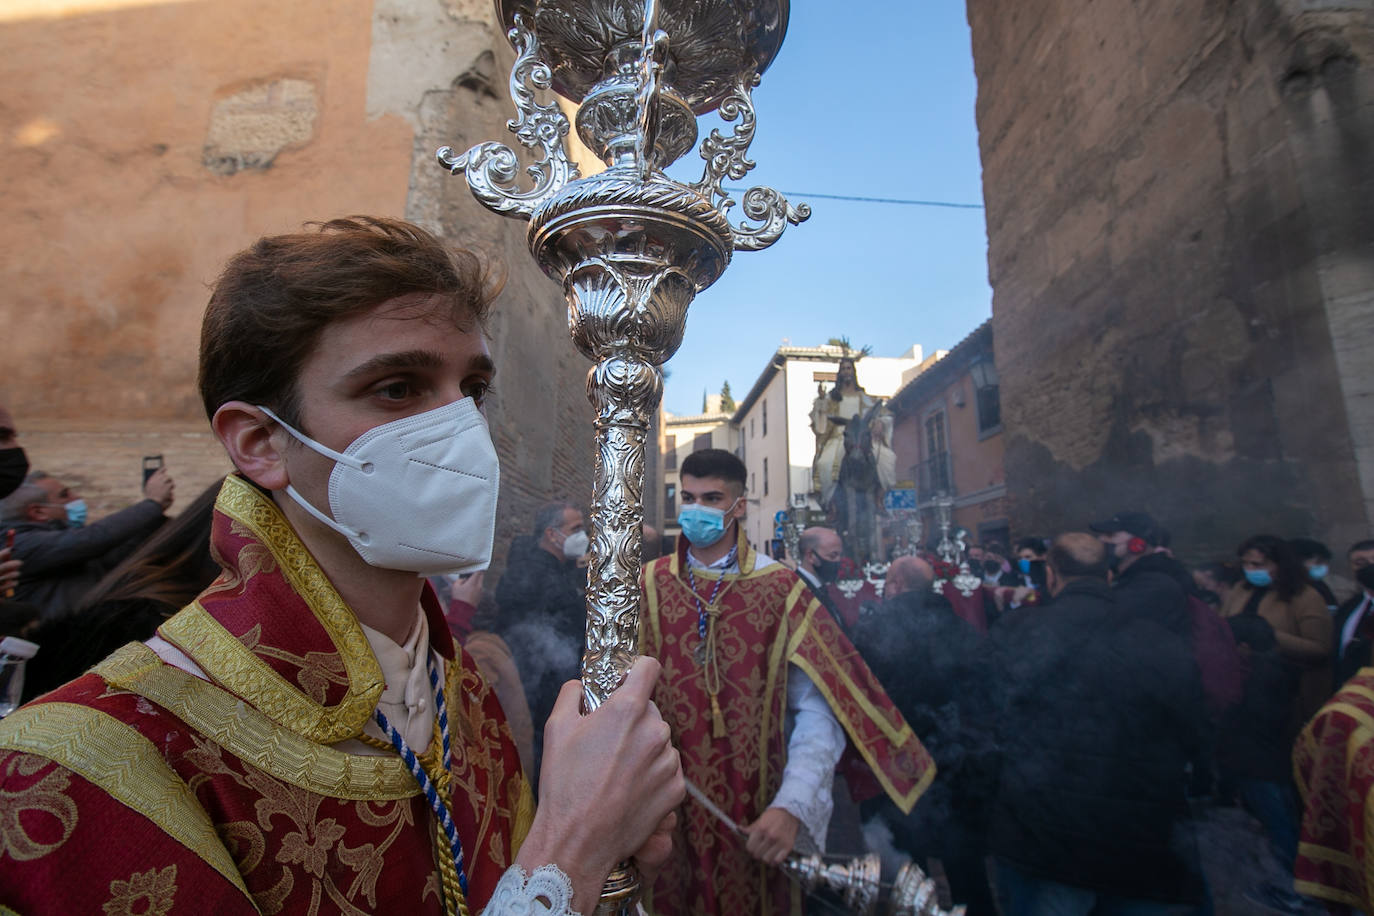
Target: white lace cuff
x=547, y=892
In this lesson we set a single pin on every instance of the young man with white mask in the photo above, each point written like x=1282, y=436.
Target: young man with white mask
x=745, y=647
x=305, y=736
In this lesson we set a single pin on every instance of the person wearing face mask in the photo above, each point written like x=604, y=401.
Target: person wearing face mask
x=543, y=609
x=821, y=555
x=1029, y=571
x=1316, y=559
x=1354, y=622
x=1277, y=588
x=63, y=556
x=305, y=736
x=745, y=649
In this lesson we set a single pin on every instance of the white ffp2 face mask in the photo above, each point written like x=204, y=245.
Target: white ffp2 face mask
x=416, y=494
x=575, y=545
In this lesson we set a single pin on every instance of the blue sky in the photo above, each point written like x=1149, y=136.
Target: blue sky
x=872, y=105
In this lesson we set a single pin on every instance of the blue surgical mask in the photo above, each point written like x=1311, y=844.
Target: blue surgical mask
x=1024, y=565
x=1259, y=578
x=76, y=513
x=1318, y=571
x=702, y=525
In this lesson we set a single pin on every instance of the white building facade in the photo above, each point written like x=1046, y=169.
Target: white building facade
x=772, y=426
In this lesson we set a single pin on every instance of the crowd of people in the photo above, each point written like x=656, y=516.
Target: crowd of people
x=315, y=692
x=1105, y=698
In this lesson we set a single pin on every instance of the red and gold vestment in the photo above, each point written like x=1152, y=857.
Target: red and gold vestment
x=141, y=788
x=1333, y=763
x=765, y=619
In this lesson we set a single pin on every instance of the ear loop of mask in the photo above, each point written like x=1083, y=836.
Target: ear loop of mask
x=346, y=460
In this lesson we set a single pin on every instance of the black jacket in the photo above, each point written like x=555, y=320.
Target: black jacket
x=1357, y=653
x=1100, y=714
x=543, y=619
x=71, y=644
x=61, y=564
x=936, y=669
x=822, y=595
x=1252, y=736
x=1156, y=587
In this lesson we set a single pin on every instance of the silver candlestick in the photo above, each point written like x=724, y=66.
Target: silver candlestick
x=630, y=246
x=944, y=507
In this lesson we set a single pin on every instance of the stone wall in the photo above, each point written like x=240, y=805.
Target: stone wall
x=144, y=144
x=1180, y=252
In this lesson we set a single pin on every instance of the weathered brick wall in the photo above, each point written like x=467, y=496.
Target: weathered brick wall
x=103, y=461
x=1177, y=207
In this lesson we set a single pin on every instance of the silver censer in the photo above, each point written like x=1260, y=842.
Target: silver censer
x=857, y=881
x=630, y=245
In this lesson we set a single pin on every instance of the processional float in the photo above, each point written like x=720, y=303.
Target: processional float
x=630, y=246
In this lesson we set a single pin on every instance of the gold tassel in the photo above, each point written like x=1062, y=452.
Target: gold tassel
x=717, y=720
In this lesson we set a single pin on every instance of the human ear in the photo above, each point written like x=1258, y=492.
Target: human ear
x=250, y=437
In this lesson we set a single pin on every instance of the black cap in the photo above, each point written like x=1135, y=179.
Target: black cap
x=1140, y=524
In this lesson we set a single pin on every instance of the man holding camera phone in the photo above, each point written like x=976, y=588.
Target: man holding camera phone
x=62, y=555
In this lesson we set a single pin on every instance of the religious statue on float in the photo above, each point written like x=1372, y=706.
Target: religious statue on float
x=854, y=464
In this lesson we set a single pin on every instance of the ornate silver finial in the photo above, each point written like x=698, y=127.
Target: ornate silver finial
x=630, y=246
x=492, y=167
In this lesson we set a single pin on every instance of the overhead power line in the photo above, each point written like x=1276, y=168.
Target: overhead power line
x=802, y=195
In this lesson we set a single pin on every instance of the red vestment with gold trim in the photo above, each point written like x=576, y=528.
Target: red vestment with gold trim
x=767, y=620
x=140, y=788
x=1333, y=763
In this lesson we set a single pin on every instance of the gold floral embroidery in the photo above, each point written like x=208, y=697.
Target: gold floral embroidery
x=148, y=893
x=47, y=796
x=298, y=848
x=317, y=670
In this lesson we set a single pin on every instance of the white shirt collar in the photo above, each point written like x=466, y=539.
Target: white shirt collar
x=407, y=699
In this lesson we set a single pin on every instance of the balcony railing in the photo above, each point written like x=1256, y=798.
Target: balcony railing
x=936, y=477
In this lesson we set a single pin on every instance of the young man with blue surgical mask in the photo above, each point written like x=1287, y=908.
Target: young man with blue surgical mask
x=746, y=648
x=305, y=735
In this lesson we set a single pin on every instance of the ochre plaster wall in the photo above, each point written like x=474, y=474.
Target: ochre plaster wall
x=143, y=143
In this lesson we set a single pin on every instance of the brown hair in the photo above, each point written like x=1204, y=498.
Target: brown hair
x=172, y=566
x=273, y=299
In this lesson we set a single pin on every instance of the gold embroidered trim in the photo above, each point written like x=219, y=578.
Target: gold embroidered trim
x=894, y=734
x=650, y=639
x=1322, y=892
x=117, y=759
x=234, y=666
x=253, y=737
x=898, y=736
x=776, y=669
x=524, y=815
x=745, y=557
